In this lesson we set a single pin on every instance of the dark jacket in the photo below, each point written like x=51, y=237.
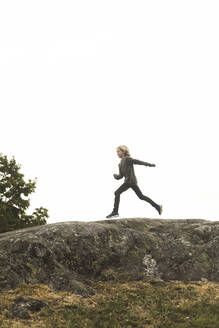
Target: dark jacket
x=126, y=169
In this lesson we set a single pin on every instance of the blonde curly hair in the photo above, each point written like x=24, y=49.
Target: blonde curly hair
x=124, y=149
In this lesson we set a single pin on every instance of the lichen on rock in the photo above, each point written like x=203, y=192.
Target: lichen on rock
x=150, y=266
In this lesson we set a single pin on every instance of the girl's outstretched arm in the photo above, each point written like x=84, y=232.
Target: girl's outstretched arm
x=136, y=161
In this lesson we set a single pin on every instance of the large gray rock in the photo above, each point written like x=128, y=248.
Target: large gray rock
x=69, y=255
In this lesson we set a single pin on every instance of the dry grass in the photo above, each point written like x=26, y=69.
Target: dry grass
x=135, y=304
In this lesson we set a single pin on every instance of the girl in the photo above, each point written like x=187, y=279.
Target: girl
x=126, y=169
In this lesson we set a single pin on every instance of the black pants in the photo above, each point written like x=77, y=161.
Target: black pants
x=138, y=192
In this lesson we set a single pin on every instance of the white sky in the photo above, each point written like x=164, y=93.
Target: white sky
x=79, y=78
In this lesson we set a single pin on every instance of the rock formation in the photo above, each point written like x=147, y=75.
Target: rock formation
x=69, y=255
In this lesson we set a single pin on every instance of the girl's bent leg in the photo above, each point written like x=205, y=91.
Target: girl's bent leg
x=117, y=193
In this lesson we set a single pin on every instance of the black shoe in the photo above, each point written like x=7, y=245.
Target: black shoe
x=160, y=209
x=113, y=215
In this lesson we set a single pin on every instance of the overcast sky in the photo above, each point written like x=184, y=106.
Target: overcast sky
x=79, y=78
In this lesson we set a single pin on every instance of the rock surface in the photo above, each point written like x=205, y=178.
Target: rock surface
x=69, y=255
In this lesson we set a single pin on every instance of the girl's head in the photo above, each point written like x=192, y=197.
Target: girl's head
x=122, y=150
